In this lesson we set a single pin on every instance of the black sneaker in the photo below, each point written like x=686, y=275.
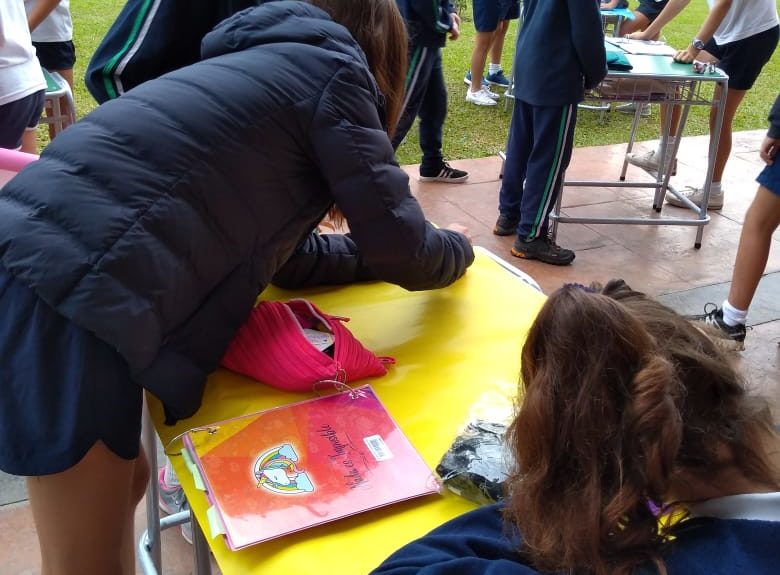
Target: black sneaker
x=727, y=336
x=505, y=226
x=544, y=250
x=445, y=173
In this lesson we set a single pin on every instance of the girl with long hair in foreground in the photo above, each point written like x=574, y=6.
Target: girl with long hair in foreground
x=629, y=412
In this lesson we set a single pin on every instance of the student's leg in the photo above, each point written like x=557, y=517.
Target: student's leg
x=30, y=141
x=482, y=43
x=433, y=111
x=518, y=149
x=83, y=515
x=497, y=47
x=547, y=163
x=761, y=221
x=639, y=23
x=417, y=77
x=733, y=100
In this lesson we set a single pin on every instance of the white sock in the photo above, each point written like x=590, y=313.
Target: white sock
x=733, y=316
x=493, y=68
x=716, y=190
x=170, y=477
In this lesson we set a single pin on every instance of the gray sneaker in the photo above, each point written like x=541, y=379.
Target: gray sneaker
x=172, y=500
x=630, y=108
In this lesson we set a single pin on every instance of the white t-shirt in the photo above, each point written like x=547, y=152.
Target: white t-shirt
x=57, y=27
x=745, y=18
x=20, y=71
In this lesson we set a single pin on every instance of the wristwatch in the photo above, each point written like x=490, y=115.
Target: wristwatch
x=698, y=44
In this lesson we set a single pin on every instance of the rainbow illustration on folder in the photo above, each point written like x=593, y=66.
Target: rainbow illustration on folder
x=304, y=464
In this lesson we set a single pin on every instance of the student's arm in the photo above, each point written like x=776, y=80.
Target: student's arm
x=768, y=151
x=40, y=11
x=434, y=14
x=670, y=11
x=356, y=159
x=588, y=38
x=323, y=259
x=714, y=18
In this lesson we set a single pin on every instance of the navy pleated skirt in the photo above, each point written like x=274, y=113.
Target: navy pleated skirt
x=61, y=388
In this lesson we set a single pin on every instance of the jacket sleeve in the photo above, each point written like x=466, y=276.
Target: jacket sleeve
x=434, y=14
x=356, y=159
x=147, y=40
x=323, y=259
x=473, y=544
x=774, y=120
x=588, y=38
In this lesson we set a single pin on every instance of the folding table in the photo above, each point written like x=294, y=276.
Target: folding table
x=458, y=356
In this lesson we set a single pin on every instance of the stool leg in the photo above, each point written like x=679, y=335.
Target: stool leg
x=200, y=548
x=149, y=440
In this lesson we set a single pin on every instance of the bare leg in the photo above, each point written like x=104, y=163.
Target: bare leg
x=30, y=141
x=733, y=100
x=639, y=23
x=761, y=221
x=81, y=514
x=497, y=47
x=482, y=43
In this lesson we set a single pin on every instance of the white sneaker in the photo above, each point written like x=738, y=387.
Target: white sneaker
x=480, y=98
x=491, y=93
x=696, y=195
x=649, y=161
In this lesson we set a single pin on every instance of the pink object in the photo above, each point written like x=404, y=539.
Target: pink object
x=13, y=160
x=272, y=347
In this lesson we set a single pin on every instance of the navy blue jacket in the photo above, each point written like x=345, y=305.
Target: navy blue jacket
x=479, y=543
x=427, y=21
x=156, y=220
x=560, y=51
x=148, y=39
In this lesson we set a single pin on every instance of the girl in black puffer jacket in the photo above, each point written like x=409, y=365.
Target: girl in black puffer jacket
x=132, y=251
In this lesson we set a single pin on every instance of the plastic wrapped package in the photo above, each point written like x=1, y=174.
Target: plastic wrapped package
x=478, y=462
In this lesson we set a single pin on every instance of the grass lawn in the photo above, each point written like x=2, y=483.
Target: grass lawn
x=473, y=131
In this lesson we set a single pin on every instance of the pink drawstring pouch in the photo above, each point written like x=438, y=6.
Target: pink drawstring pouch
x=294, y=345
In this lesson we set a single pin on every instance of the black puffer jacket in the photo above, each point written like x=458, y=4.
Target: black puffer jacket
x=156, y=220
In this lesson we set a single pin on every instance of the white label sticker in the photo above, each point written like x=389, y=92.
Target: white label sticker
x=319, y=339
x=377, y=447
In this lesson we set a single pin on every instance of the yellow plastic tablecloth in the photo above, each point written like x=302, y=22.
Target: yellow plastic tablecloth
x=456, y=348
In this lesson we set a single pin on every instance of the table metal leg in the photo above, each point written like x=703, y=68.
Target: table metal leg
x=149, y=441
x=200, y=548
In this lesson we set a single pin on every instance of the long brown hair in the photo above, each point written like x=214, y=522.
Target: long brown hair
x=621, y=393
x=379, y=29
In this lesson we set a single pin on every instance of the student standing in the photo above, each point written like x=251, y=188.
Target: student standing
x=51, y=28
x=560, y=54
x=761, y=221
x=22, y=86
x=491, y=20
x=428, y=24
x=740, y=36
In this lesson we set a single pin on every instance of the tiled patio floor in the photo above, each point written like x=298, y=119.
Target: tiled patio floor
x=660, y=260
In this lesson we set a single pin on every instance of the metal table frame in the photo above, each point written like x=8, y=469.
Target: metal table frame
x=685, y=90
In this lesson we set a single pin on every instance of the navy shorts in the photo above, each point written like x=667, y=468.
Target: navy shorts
x=56, y=55
x=61, y=389
x=651, y=8
x=488, y=13
x=743, y=60
x=18, y=116
x=770, y=177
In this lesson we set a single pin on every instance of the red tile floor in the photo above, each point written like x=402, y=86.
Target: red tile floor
x=660, y=260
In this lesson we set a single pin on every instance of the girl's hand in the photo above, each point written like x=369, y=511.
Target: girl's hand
x=687, y=56
x=637, y=36
x=768, y=150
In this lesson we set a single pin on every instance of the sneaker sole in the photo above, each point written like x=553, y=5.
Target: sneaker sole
x=504, y=231
x=724, y=343
x=527, y=256
x=443, y=180
x=486, y=104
